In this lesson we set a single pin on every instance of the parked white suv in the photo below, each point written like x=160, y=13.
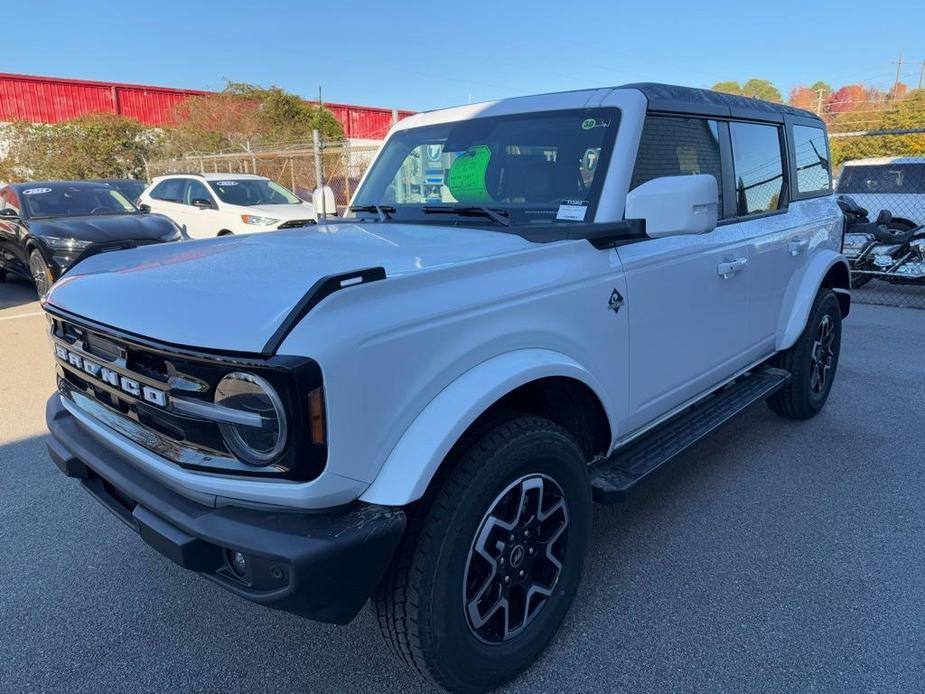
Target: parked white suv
x=219, y=204
x=538, y=302
x=896, y=184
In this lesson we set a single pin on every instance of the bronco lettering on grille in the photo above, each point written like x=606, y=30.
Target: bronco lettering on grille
x=112, y=378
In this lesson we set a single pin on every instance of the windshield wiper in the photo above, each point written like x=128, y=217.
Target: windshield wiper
x=496, y=215
x=383, y=211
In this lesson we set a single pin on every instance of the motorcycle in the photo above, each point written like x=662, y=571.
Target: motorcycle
x=881, y=249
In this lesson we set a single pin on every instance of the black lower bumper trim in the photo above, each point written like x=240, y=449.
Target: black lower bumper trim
x=322, y=566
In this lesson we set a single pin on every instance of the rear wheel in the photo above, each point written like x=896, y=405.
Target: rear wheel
x=41, y=273
x=812, y=361
x=491, y=561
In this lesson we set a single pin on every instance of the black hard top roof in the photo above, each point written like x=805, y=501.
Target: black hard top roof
x=75, y=184
x=672, y=98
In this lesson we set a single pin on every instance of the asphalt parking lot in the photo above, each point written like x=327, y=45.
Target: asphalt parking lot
x=776, y=557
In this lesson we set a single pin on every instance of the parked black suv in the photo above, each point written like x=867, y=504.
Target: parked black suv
x=46, y=226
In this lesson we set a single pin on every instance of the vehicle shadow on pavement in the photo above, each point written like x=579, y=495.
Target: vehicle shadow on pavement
x=16, y=292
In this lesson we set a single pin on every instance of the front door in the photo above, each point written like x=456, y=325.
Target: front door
x=687, y=302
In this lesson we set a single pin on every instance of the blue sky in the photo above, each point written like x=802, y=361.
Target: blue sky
x=422, y=55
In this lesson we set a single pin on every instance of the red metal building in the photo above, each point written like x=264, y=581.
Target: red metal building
x=53, y=99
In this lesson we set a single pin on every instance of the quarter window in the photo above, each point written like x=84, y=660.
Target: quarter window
x=759, y=167
x=672, y=146
x=812, y=158
x=170, y=190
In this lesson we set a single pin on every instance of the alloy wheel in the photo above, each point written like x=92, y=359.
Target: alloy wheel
x=516, y=558
x=823, y=354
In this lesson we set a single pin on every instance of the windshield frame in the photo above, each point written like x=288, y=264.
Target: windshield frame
x=245, y=181
x=593, y=194
x=29, y=213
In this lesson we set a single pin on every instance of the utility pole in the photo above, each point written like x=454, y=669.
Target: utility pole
x=899, y=65
x=921, y=74
x=820, y=93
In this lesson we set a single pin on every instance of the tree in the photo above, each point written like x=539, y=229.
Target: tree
x=729, y=87
x=762, y=89
x=244, y=115
x=98, y=145
x=804, y=97
x=848, y=98
x=907, y=114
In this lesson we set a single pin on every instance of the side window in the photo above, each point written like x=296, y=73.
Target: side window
x=812, y=158
x=674, y=146
x=10, y=201
x=196, y=190
x=759, y=167
x=170, y=190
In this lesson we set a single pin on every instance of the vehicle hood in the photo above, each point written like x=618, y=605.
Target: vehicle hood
x=302, y=210
x=233, y=292
x=100, y=228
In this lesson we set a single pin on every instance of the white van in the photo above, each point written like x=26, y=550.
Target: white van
x=217, y=204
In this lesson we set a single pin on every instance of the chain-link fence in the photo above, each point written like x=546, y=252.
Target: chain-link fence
x=342, y=166
x=884, y=172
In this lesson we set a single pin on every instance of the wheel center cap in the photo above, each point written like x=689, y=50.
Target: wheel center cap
x=517, y=556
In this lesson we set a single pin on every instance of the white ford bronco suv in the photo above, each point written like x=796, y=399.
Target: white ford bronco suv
x=537, y=303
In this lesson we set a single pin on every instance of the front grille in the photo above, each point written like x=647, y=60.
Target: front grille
x=92, y=364
x=296, y=223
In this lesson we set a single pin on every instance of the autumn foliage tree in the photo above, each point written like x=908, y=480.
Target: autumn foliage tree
x=243, y=116
x=98, y=145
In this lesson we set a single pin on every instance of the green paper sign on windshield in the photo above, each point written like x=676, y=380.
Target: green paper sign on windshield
x=466, y=179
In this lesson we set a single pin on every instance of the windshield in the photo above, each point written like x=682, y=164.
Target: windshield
x=882, y=178
x=129, y=189
x=531, y=167
x=62, y=200
x=252, y=191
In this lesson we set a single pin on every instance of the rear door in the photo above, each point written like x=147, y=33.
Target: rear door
x=687, y=295
x=12, y=252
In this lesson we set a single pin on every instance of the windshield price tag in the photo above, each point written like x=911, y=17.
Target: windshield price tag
x=226, y=183
x=36, y=191
x=572, y=210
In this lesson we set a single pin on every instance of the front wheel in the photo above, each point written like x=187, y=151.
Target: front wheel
x=41, y=273
x=812, y=361
x=492, y=559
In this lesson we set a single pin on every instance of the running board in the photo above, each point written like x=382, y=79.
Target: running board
x=614, y=478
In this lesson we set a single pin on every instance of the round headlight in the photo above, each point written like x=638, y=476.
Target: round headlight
x=260, y=440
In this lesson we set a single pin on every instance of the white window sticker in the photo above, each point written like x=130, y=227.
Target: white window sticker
x=226, y=183
x=572, y=210
x=36, y=191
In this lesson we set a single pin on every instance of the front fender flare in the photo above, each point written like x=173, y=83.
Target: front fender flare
x=411, y=465
x=799, y=301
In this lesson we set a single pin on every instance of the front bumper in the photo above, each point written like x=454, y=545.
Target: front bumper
x=318, y=565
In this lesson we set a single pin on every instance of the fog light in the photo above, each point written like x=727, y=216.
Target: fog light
x=238, y=563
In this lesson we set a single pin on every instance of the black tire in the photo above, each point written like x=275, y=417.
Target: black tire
x=895, y=232
x=423, y=604
x=812, y=361
x=41, y=274
x=225, y=232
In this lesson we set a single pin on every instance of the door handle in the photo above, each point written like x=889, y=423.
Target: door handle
x=728, y=268
x=797, y=246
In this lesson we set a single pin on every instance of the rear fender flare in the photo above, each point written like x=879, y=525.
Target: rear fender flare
x=414, y=460
x=799, y=302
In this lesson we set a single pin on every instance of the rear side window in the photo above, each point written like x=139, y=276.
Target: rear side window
x=882, y=178
x=10, y=201
x=672, y=146
x=812, y=158
x=759, y=167
x=170, y=190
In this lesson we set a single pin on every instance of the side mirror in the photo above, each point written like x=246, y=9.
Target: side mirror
x=9, y=213
x=675, y=205
x=202, y=204
x=144, y=208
